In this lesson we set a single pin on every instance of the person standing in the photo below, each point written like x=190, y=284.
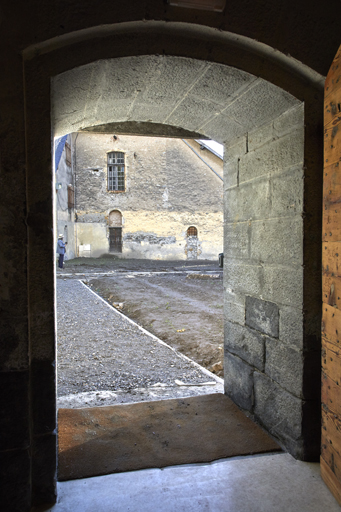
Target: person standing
x=61, y=250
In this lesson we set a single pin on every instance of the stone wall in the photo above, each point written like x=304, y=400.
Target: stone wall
x=168, y=189
x=263, y=271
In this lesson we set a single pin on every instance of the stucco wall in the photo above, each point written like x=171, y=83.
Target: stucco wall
x=65, y=216
x=168, y=189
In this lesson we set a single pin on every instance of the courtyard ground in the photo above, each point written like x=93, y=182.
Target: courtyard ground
x=180, y=302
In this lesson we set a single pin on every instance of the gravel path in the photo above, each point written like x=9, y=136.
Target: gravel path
x=104, y=358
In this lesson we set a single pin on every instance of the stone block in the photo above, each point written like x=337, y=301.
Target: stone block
x=231, y=172
x=223, y=129
x=14, y=412
x=296, y=423
x=262, y=104
x=236, y=148
x=234, y=312
x=291, y=326
x=234, y=306
x=245, y=343
x=277, y=240
x=287, y=192
x=249, y=201
x=260, y=136
x=288, y=121
x=238, y=379
x=44, y=397
x=262, y=315
x=277, y=409
x=244, y=278
x=273, y=158
x=236, y=240
x=283, y=284
x=285, y=366
x=15, y=481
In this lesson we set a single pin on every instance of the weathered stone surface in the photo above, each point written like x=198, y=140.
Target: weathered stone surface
x=285, y=123
x=262, y=315
x=245, y=343
x=238, y=377
x=285, y=366
x=242, y=277
x=234, y=312
x=250, y=200
x=236, y=239
x=291, y=326
x=277, y=409
x=274, y=157
x=257, y=138
x=277, y=240
x=296, y=423
x=283, y=284
x=287, y=192
x=151, y=238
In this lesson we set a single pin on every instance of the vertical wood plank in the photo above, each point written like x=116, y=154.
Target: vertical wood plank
x=331, y=283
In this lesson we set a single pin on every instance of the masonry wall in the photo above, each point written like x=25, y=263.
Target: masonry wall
x=168, y=189
x=265, y=362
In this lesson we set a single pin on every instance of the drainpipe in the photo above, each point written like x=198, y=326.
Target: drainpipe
x=201, y=158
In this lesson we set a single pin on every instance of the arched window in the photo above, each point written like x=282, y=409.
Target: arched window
x=116, y=171
x=192, y=231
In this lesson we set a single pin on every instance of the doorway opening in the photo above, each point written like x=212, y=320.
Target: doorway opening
x=265, y=158
x=115, y=231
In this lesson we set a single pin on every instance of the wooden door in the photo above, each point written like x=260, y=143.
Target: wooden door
x=331, y=283
x=115, y=239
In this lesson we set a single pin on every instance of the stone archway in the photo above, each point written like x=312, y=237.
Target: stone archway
x=292, y=399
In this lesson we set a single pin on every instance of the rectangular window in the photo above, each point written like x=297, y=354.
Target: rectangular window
x=70, y=197
x=68, y=154
x=116, y=171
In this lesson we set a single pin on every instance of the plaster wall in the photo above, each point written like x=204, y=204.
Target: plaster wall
x=65, y=216
x=168, y=189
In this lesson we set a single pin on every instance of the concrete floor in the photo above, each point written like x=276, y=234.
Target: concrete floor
x=263, y=483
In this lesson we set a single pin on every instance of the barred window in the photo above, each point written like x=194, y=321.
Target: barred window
x=116, y=171
x=192, y=231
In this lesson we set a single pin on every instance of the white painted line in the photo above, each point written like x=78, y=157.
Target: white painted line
x=134, y=273
x=182, y=356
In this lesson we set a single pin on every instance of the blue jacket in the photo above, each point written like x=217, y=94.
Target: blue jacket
x=60, y=247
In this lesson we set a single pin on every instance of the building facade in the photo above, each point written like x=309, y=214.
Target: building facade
x=141, y=197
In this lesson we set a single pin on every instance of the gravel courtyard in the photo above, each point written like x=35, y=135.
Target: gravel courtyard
x=104, y=358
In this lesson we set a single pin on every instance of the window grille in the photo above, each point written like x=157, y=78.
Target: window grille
x=116, y=171
x=192, y=231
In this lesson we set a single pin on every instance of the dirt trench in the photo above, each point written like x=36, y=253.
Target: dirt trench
x=184, y=310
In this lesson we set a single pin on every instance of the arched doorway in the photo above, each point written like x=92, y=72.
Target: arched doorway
x=305, y=335
x=115, y=231
x=191, y=247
